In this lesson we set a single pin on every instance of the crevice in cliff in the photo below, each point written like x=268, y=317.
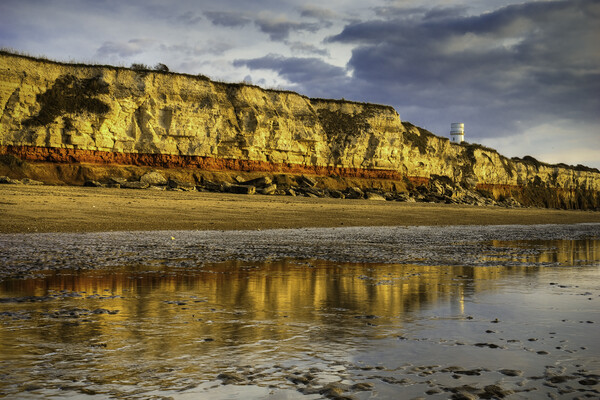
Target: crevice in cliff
x=420, y=140
x=341, y=130
x=70, y=95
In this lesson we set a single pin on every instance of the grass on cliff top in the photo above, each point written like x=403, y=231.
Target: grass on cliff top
x=360, y=103
x=537, y=164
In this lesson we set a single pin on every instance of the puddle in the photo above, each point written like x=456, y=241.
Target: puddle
x=518, y=319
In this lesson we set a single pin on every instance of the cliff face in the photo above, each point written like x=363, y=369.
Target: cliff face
x=98, y=114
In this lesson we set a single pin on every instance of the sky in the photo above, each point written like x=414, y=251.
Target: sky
x=523, y=76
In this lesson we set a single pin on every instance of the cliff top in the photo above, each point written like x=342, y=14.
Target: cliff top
x=163, y=69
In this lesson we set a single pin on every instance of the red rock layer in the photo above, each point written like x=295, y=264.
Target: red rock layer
x=62, y=155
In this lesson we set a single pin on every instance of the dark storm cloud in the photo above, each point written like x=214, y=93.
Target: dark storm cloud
x=311, y=76
x=536, y=59
x=229, y=19
x=422, y=13
x=279, y=28
x=307, y=48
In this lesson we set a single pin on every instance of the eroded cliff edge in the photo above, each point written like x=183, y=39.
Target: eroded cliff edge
x=80, y=114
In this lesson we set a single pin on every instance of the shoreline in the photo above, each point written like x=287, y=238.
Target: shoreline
x=26, y=208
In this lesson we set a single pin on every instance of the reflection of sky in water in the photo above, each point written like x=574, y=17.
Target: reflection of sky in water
x=403, y=328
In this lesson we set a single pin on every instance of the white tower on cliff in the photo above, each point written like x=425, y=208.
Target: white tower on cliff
x=457, y=132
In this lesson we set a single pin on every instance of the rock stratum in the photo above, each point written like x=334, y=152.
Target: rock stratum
x=72, y=123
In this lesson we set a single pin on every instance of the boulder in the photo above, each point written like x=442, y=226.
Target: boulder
x=174, y=184
x=354, y=193
x=305, y=180
x=336, y=194
x=270, y=189
x=27, y=181
x=263, y=181
x=375, y=196
x=92, y=183
x=153, y=178
x=7, y=180
x=284, y=180
x=215, y=187
x=437, y=188
x=134, y=185
x=241, y=189
x=315, y=192
x=117, y=180
x=402, y=197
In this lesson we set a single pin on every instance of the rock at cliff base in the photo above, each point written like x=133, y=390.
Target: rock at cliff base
x=336, y=194
x=153, y=178
x=259, y=182
x=117, y=181
x=242, y=189
x=355, y=193
x=305, y=180
x=134, y=185
x=375, y=196
x=215, y=187
x=27, y=181
x=284, y=181
x=92, y=183
x=176, y=184
x=7, y=180
x=269, y=189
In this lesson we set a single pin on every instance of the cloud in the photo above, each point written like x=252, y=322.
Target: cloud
x=230, y=19
x=214, y=47
x=311, y=11
x=189, y=18
x=307, y=48
x=279, y=27
x=526, y=62
x=310, y=76
x=549, y=143
x=420, y=13
x=124, y=49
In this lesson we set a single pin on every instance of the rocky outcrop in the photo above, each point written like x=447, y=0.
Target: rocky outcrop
x=103, y=115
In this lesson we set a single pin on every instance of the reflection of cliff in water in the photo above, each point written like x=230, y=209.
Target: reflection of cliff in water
x=545, y=252
x=246, y=302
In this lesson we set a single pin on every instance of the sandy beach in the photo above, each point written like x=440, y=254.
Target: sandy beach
x=81, y=209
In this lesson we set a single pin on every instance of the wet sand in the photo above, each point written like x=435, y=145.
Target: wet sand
x=81, y=209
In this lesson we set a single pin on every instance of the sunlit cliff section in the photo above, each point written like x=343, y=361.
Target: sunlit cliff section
x=103, y=115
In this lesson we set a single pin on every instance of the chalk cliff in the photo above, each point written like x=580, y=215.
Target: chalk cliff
x=67, y=113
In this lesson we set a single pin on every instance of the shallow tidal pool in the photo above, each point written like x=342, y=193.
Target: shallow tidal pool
x=451, y=312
